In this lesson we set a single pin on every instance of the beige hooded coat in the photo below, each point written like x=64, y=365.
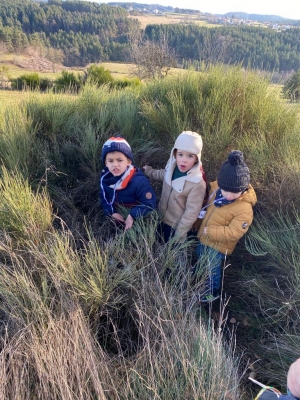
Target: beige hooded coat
x=181, y=199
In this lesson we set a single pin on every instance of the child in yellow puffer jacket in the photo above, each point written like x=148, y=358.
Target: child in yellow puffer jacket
x=226, y=218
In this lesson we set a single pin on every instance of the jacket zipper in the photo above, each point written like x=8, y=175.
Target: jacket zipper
x=169, y=198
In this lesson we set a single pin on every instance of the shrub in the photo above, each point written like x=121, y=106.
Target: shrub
x=291, y=89
x=31, y=82
x=18, y=147
x=126, y=82
x=67, y=82
x=24, y=215
x=230, y=108
x=97, y=75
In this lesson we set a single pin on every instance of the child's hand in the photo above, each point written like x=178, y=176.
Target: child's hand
x=129, y=222
x=118, y=217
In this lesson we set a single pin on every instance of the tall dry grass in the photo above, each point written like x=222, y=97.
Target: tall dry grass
x=230, y=108
x=268, y=288
x=24, y=215
x=93, y=322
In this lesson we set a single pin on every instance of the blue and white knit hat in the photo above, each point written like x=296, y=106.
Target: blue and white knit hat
x=116, y=143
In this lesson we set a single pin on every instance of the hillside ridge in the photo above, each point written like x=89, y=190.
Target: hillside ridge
x=237, y=14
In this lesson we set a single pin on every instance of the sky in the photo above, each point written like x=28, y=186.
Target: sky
x=282, y=8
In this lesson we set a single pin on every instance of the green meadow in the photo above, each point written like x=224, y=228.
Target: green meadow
x=86, y=310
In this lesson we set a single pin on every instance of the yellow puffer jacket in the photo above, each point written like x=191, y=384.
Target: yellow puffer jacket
x=227, y=224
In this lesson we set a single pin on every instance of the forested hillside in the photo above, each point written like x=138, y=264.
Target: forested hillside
x=84, y=31
x=253, y=47
x=80, y=32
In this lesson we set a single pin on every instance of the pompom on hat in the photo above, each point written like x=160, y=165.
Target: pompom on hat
x=234, y=175
x=116, y=143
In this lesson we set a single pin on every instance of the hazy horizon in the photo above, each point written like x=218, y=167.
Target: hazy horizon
x=286, y=9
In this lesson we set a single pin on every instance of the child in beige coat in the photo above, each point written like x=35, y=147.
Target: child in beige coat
x=183, y=188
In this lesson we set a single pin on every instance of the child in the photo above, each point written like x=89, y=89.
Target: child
x=227, y=217
x=183, y=188
x=122, y=184
x=293, y=384
x=293, y=381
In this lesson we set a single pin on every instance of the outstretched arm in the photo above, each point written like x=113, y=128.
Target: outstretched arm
x=155, y=174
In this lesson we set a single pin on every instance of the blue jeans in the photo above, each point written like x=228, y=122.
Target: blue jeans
x=214, y=262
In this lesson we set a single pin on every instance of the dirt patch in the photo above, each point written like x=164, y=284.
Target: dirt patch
x=38, y=64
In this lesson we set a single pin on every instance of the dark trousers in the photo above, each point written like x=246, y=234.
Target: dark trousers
x=166, y=232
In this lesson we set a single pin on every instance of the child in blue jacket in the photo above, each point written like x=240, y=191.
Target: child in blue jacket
x=122, y=184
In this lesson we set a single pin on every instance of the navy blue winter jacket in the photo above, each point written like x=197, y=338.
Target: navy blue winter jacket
x=269, y=395
x=138, y=194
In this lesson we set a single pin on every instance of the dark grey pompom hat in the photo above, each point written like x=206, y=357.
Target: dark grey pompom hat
x=234, y=175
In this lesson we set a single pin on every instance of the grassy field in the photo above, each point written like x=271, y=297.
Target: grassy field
x=117, y=70
x=11, y=61
x=9, y=98
x=175, y=18
x=13, y=64
x=171, y=18
x=15, y=71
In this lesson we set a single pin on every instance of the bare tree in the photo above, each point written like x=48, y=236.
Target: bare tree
x=153, y=60
x=4, y=71
x=4, y=76
x=56, y=56
x=3, y=47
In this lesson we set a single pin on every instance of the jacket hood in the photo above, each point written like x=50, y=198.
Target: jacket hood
x=190, y=142
x=193, y=175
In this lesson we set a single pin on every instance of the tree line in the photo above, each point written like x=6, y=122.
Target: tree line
x=79, y=32
x=252, y=47
x=84, y=31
